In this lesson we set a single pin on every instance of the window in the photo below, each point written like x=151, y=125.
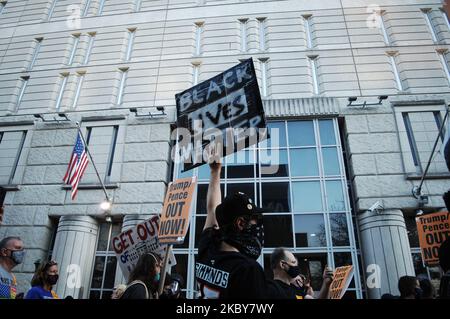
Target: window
x=11, y=144
x=276, y=197
x=131, y=36
x=23, y=87
x=308, y=34
x=243, y=26
x=280, y=225
x=306, y=202
x=75, y=41
x=427, y=16
x=105, y=265
x=339, y=231
x=64, y=78
x=398, y=81
x=102, y=144
x=381, y=18
x=137, y=5
x=443, y=57
x=198, y=37
x=89, y=48
x=80, y=79
x=262, y=33
x=313, y=65
x=123, y=79
x=307, y=196
x=263, y=64
x=422, y=129
x=195, y=73
x=100, y=7
x=37, y=47
x=310, y=230
x=2, y=6
x=86, y=8
x=444, y=16
x=274, y=162
x=52, y=9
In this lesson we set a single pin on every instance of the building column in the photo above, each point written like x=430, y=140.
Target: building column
x=386, y=251
x=129, y=221
x=74, y=251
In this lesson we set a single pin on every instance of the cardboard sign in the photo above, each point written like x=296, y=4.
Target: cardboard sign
x=433, y=230
x=342, y=277
x=137, y=241
x=226, y=110
x=175, y=214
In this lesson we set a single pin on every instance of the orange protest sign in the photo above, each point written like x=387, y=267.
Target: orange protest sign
x=342, y=277
x=175, y=215
x=433, y=230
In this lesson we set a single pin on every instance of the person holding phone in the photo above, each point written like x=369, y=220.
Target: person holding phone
x=303, y=286
x=289, y=283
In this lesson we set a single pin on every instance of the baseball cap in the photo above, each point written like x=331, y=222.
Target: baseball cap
x=237, y=205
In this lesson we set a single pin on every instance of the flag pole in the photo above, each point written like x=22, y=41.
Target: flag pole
x=92, y=160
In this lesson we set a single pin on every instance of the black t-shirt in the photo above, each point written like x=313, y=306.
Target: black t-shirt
x=225, y=275
x=281, y=290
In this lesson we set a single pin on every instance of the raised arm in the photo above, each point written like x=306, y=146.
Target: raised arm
x=328, y=276
x=213, y=198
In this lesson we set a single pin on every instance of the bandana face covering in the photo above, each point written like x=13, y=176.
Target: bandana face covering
x=249, y=242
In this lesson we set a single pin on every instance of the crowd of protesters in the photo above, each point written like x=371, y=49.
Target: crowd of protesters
x=226, y=267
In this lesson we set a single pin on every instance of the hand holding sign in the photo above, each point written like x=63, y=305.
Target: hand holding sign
x=342, y=277
x=328, y=275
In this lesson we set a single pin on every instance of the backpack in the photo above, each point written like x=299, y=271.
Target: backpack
x=139, y=282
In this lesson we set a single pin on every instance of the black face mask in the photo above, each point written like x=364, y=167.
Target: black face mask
x=256, y=231
x=293, y=271
x=249, y=242
x=52, y=279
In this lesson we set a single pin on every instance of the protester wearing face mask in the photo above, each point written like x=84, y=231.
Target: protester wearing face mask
x=172, y=287
x=285, y=268
x=43, y=281
x=144, y=279
x=285, y=273
x=230, y=252
x=11, y=255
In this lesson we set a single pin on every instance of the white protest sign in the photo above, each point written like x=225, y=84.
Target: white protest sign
x=137, y=241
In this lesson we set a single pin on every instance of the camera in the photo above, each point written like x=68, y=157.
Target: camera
x=377, y=207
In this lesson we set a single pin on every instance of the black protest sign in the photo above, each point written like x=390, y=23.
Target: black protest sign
x=225, y=110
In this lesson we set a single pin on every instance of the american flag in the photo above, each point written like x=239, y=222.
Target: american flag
x=77, y=166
